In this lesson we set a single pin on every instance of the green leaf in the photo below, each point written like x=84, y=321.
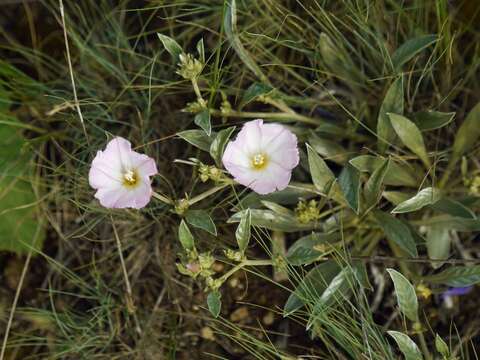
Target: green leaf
x=201, y=50
x=21, y=224
x=254, y=91
x=219, y=143
x=468, y=134
x=311, y=286
x=406, y=345
x=392, y=103
x=373, y=187
x=197, y=138
x=454, y=208
x=441, y=346
x=406, y=296
x=288, y=196
x=349, y=182
x=397, y=174
x=243, y=232
x=438, y=239
x=214, y=303
x=322, y=176
x=432, y=120
x=410, y=48
x=171, y=46
x=456, y=276
x=410, y=136
x=202, y=119
x=230, y=26
x=427, y=196
x=279, y=209
x=309, y=248
x=329, y=149
x=201, y=220
x=396, y=197
x=186, y=237
x=398, y=232
x=455, y=223
x=273, y=221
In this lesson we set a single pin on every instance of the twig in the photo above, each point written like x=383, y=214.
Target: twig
x=130, y=303
x=70, y=69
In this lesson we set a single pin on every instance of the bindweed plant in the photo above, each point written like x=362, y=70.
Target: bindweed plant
x=327, y=149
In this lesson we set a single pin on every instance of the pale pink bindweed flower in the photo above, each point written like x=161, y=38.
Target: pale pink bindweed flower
x=121, y=176
x=262, y=156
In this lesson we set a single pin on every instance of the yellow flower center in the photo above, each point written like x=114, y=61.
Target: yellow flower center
x=130, y=178
x=259, y=161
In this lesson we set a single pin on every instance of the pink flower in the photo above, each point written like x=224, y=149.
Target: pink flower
x=262, y=156
x=121, y=176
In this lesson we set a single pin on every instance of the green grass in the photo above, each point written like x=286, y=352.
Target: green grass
x=329, y=65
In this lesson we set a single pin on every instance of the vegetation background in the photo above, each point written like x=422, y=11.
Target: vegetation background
x=78, y=281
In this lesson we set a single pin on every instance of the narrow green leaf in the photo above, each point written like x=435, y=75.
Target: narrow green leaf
x=441, y=346
x=373, y=187
x=454, y=208
x=197, y=138
x=230, y=26
x=468, y=134
x=406, y=345
x=392, y=103
x=410, y=48
x=432, y=120
x=309, y=248
x=279, y=209
x=322, y=176
x=201, y=220
x=243, y=232
x=201, y=50
x=456, y=276
x=171, y=46
x=329, y=149
x=349, y=182
x=410, y=136
x=396, y=197
x=425, y=197
x=186, y=237
x=397, y=174
x=398, y=232
x=312, y=286
x=219, y=143
x=438, y=244
x=455, y=223
x=273, y=221
x=214, y=303
x=405, y=293
x=254, y=91
x=202, y=119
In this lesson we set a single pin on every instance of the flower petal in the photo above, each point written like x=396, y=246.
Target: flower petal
x=249, y=139
x=144, y=164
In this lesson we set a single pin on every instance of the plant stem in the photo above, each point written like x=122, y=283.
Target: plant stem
x=162, y=198
x=207, y=193
x=241, y=265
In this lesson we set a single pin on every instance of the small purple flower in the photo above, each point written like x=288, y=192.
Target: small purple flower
x=457, y=291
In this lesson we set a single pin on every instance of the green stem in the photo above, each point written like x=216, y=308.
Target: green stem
x=207, y=193
x=162, y=198
x=197, y=90
x=241, y=265
x=424, y=346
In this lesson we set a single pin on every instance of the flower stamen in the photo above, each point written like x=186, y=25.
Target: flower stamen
x=130, y=178
x=259, y=161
